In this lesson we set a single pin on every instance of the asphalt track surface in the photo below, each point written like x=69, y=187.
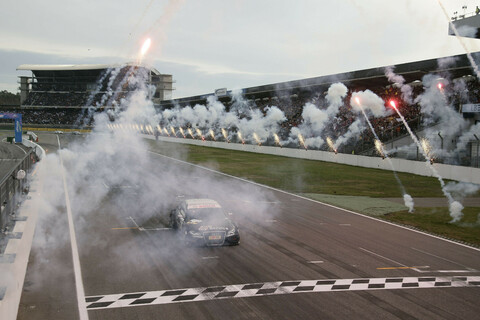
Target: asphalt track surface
x=11, y=154
x=298, y=259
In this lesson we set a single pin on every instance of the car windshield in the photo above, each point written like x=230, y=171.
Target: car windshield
x=205, y=214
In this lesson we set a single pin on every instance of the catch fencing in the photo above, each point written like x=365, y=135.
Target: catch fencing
x=13, y=189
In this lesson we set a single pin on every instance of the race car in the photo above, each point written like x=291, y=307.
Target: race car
x=203, y=222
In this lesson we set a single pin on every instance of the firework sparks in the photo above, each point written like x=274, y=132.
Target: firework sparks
x=240, y=137
x=190, y=132
x=379, y=147
x=302, y=141
x=225, y=135
x=257, y=139
x=331, y=145
x=212, y=134
x=277, y=140
x=200, y=134
x=146, y=45
x=427, y=148
x=182, y=132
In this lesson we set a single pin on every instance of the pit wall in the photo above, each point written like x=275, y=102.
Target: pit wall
x=450, y=172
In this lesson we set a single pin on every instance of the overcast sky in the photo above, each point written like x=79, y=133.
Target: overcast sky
x=211, y=44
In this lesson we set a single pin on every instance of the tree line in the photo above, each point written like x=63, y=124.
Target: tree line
x=8, y=98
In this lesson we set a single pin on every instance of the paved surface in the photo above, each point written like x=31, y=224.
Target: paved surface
x=366, y=205
x=287, y=242
x=10, y=154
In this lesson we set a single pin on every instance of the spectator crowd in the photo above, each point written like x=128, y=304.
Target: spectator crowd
x=63, y=108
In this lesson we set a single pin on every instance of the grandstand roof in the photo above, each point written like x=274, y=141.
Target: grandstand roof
x=75, y=67
x=372, y=79
x=375, y=78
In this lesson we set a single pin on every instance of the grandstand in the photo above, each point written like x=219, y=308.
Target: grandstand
x=59, y=95
x=78, y=86
x=466, y=25
x=373, y=79
x=451, y=72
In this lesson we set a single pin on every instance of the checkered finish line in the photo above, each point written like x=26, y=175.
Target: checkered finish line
x=273, y=288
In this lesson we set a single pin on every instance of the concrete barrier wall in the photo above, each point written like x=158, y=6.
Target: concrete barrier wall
x=457, y=173
x=18, y=249
x=38, y=150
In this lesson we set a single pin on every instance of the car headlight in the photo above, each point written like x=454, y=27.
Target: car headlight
x=231, y=232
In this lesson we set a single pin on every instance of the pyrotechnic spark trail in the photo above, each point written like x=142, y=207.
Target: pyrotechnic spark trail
x=406, y=197
x=379, y=147
x=191, y=133
x=331, y=144
x=212, y=134
x=426, y=147
x=302, y=141
x=146, y=45
x=455, y=207
x=240, y=137
x=255, y=136
x=225, y=135
x=277, y=139
x=199, y=133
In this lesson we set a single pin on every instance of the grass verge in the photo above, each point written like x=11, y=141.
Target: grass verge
x=437, y=221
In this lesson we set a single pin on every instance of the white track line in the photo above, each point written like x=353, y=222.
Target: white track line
x=385, y=258
x=20, y=148
x=325, y=204
x=5, y=139
x=82, y=306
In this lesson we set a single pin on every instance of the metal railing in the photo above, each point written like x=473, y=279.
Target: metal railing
x=13, y=190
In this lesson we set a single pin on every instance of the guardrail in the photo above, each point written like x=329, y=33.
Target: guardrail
x=13, y=188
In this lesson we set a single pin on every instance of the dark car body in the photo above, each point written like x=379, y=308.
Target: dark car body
x=203, y=222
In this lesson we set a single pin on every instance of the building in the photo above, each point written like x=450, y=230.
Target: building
x=99, y=85
x=465, y=25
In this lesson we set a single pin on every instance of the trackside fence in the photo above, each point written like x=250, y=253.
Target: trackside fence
x=13, y=190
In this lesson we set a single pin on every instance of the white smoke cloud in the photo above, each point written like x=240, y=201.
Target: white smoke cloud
x=251, y=122
x=467, y=31
x=264, y=126
x=456, y=208
x=315, y=120
x=112, y=173
x=408, y=200
x=354, y=130
x=399, y=81
x=466, y=137
x=436, y=109
x=461, y=190
x=369, y=101
x=335, y=95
